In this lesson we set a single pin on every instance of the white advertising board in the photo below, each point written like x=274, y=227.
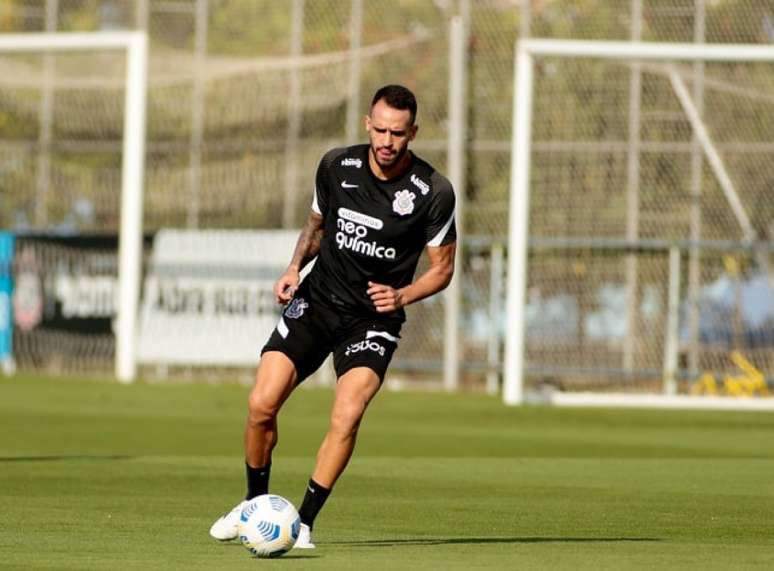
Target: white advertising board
x=208, y=296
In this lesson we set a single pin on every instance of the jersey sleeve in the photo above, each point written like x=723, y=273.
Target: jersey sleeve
x=320, y=198
x=441, y=229
x=320, y=201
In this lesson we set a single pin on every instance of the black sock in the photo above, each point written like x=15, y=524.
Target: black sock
x=257, y=480
x=314, y=500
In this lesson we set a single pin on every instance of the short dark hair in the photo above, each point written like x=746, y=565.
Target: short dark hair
x=397, y=97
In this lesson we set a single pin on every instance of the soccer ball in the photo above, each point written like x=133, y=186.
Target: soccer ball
x=268, y=526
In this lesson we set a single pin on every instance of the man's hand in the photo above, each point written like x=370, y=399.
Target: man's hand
x=286, y=286
x=386, y=299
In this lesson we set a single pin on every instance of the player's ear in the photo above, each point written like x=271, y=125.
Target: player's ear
x=413, y=131
x=367, y=122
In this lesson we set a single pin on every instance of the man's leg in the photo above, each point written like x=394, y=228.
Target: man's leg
x=354, y=391
x=274, y=381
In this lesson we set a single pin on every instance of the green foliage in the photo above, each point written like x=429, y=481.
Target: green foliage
x=725, y=21
x=585, y=100
x=581, y=19
x=248, y=27
x=80, y=15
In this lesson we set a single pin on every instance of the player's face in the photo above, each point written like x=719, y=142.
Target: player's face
x=390, y=132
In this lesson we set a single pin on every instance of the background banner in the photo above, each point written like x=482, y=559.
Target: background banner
x=6, y=290
x=65, y=300
x=208, y=297
x=66, y=284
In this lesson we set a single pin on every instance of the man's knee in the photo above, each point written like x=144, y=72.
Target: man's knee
x=346, y=417
x=261, y=410
x=263, y=405
x=356, y=389
x=274, y=381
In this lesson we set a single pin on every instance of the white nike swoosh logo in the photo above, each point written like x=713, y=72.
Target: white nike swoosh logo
x=345, y=185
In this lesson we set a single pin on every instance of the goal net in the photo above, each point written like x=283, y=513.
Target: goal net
x=76, y=289
x=640, y=224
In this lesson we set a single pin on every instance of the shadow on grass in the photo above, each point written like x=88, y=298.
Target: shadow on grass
x=55, y=458
x=486, y=540
x=292, y=555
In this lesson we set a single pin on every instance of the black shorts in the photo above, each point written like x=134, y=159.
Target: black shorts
x=310, y=329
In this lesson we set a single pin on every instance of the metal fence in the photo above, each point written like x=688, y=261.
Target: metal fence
x=245, y=96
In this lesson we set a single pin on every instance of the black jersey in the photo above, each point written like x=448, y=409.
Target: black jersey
x=375, y=230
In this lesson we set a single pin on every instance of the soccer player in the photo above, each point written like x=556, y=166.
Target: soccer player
x=376, y=208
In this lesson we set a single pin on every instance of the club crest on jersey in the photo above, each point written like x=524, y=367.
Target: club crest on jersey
x=296, y=308
x=350, y=162
x=404, y=202
x=420, y=184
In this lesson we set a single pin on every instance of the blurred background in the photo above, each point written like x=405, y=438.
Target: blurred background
x=244, y=96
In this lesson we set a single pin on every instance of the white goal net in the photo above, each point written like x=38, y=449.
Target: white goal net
x=76, y=89
x=640, y=224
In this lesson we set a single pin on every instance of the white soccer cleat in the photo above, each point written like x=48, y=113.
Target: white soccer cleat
x=226, y=526
x=304, y=540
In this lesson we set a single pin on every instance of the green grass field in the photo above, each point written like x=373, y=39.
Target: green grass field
x=95, y=475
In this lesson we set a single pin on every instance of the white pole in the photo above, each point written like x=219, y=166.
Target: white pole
x=694, y=253
x=197, y=114
x=46, y=118
x=518, y=231
x=713, y=156
x=718, y=168
x=142, y=15
x=354, y=123
x=293, y=133
x=649, y=50
x=65, y=41
x=633, y=194
x=495, y=311
x=130, y=241
x=671, y=338
x=456, y=170
x=525, y=20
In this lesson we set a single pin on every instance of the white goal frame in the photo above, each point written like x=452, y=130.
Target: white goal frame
x=135, y=45
x=518, y=219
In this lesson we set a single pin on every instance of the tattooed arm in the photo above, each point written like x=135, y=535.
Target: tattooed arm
x=307, y=248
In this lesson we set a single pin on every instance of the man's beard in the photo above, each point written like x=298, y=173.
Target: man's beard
x=393, y=160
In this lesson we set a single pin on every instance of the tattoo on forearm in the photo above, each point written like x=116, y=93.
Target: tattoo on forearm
x=314, y=243
x=308, y=244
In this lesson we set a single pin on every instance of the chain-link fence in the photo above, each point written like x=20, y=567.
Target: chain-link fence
x=245, y=96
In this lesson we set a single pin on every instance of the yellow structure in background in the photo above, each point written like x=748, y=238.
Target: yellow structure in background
x=750, y=383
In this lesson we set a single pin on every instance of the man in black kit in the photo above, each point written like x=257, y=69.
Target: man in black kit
x=376, y=207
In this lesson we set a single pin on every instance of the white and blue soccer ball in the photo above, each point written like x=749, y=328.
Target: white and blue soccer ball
x=268, y=525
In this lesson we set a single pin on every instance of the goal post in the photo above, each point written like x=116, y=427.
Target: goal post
x=135, y=45
x=688, y=137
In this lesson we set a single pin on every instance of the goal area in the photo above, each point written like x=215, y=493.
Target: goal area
x=640, y=225
x=109, y=95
